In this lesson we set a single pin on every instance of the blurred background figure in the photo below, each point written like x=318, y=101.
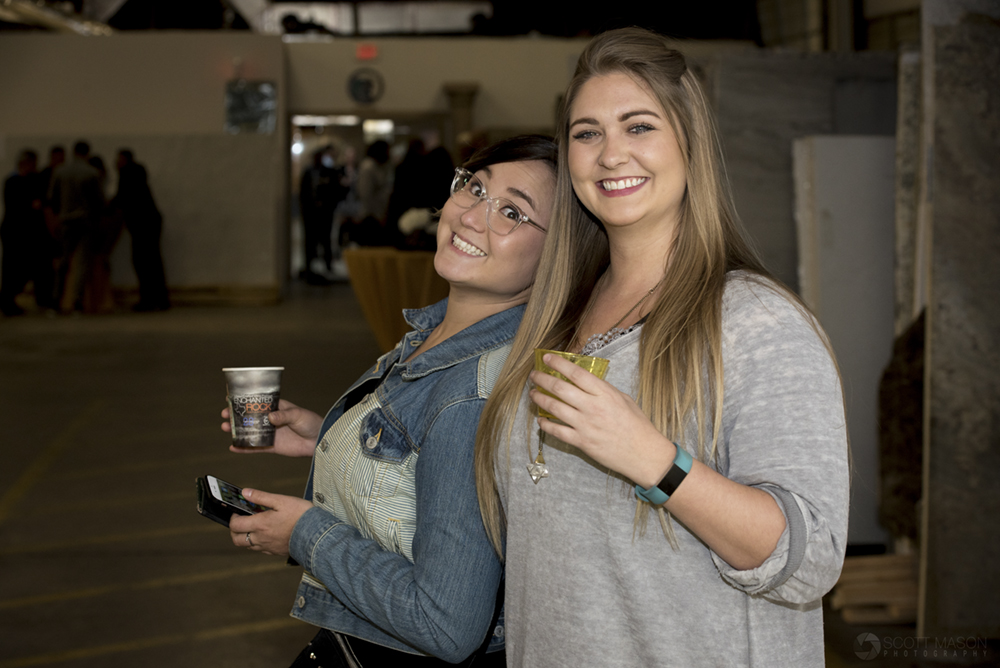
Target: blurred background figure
x=418, y=192
x=406, y=183
x=373, y=189
x=320, y=191
x=77, y=202
x=348, y=207
x=53, y=247
x=57, y=158
x=135, y=204
x=24, y=237
x=97, y=294
x=438, y=169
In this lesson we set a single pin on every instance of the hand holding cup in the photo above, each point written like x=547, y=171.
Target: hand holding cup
x=596, y=417
x=595, y=365
x=295, y=434
x=252, y=394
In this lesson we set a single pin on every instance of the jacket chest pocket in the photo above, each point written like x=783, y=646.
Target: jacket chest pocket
x=386, y=464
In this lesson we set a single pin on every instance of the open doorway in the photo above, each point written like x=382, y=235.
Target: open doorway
x=325, y=204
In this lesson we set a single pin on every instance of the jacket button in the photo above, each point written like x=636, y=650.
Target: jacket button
x=320, y=498
x=301, y=602
x=366, y=399
x=323, y=446
x=498, y=631
x=371, y=443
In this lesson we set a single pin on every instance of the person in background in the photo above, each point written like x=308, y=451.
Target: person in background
x=721, y=414
x=53, y=245
x=406, y=183
x=135, y=204
x=437, y=164
x=375, y=182
x=98, y=296
x=77, y=202
x=418, y=192
x=320, y=191
x=347, y=209
x=398, y=568
x=373, y=188
x=57, y=157
x=24, y=237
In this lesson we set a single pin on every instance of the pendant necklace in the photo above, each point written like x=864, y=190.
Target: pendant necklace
x=537, y=468
x=600, y=340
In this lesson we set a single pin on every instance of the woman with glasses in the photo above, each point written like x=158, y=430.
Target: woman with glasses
x=720, y=421
x=398, y=568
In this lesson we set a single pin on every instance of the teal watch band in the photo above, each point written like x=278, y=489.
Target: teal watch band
x=663, y=490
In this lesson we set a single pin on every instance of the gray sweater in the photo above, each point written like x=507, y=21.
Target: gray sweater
x=584, y=590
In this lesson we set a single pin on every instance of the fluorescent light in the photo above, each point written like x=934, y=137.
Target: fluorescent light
x=322, y=121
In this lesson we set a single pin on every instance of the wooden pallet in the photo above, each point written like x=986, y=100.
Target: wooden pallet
x=879, y=589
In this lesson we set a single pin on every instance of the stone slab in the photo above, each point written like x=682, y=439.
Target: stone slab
x=764, y=100
x=962, y=455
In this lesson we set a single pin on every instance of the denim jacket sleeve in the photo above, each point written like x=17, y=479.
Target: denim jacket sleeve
x=443, y=602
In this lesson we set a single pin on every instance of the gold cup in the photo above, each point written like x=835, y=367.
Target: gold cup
x=595, y=365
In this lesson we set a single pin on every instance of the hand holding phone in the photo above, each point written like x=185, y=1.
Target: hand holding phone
x=218, y=500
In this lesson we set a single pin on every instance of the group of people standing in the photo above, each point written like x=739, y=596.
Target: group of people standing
x=372, y=203
x=60, y=226
x=689, y=509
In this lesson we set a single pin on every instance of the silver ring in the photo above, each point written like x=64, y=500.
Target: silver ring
x=249, y=542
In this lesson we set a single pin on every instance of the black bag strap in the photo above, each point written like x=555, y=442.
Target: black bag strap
x=358, y=393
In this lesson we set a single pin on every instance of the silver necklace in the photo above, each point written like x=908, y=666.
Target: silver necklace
x=599, y=340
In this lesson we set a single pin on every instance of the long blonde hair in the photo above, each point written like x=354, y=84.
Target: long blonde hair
x=682, y=336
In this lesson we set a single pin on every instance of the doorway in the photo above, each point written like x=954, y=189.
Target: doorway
x=326, y=151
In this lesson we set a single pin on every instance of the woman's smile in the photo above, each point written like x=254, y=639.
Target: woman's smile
x=464, y=246
x=621, y=187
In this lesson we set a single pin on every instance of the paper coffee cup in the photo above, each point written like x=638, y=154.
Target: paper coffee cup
x=595, y=365
x=252, y=393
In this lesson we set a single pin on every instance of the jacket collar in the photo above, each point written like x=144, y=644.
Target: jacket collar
x=487, y=334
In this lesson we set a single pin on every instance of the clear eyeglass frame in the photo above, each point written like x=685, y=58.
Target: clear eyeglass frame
x=502, y=215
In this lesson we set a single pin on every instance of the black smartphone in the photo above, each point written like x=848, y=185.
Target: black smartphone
x=218, y=500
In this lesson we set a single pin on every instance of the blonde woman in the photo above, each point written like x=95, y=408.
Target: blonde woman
x=721, y=414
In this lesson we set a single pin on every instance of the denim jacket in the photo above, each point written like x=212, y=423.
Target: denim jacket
x=440, y=603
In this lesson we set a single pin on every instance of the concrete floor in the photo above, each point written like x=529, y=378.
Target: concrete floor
x=104, y=561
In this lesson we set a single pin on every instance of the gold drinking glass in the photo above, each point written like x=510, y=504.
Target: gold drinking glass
x=595, y=365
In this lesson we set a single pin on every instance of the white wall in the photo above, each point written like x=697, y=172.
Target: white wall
x=160, y=83
x=223, y=196
x=520, y=78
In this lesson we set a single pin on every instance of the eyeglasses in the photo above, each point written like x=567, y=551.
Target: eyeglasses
x=468, y=191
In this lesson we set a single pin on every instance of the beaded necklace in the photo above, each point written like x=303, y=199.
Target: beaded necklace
x=597, y=341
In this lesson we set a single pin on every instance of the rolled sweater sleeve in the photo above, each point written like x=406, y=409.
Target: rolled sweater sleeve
x=784, y=432
x=442, y=602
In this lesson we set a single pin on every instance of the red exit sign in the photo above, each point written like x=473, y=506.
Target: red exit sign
x=366, y=51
